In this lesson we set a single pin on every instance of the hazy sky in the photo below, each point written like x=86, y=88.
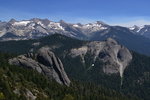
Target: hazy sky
x=116, y=12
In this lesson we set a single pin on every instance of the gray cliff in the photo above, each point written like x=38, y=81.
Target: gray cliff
x=116, y=57
x=45, y=62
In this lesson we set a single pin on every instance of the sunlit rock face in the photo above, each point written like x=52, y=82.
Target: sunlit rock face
x=116, y=57
x=45, y=62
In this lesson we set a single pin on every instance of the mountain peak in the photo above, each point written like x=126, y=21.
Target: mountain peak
x=35, y=19
x=12, y=21
x=100, y=22
x=136, y=28
x=62, y=22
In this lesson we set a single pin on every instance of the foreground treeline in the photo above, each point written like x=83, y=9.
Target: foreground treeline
x=16, y=82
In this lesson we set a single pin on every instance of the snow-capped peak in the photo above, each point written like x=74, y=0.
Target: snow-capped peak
x=21, y=23
x=136, y=28
x=95, y=26
x=75, y=25
x=55, y=25
x=40, y=23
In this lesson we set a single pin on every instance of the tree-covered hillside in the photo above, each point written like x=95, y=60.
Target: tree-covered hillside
x=136, y=80
x=56, y=41
x=18, y=83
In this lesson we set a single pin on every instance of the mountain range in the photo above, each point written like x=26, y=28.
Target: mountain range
x=55, y=60
x=135, y=38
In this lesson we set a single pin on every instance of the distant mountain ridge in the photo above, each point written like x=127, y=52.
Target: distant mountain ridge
x=40, y=27
x=141, y=30
x=135, y=38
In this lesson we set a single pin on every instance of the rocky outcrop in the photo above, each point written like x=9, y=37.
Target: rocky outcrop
x=45, y=62
x=116, y=57
x=27, y=93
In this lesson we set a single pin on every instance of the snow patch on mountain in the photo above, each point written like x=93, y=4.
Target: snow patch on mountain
x=55, y=25
x=136, y=28
x=40, y=23
x=21, y=23
x=94, y=27
x=75, y=25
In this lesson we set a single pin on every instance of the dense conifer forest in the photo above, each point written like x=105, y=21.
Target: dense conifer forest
x=86, y=84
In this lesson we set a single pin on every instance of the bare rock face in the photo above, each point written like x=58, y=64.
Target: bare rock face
x=48, y=58
x=27, y=93
x=45, y=62
x=115, y=56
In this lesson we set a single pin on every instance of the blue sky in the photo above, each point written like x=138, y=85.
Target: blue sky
x=115, y=12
